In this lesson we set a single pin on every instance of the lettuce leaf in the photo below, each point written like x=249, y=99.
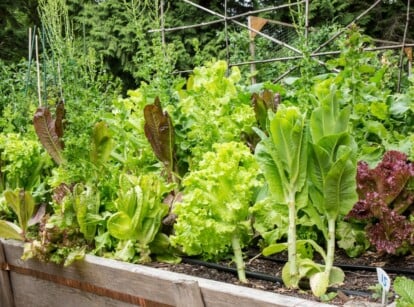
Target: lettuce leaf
x=214, y=217
x=386, y=200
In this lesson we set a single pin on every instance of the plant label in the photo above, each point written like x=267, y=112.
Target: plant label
x=383, y=279
x=385, y=283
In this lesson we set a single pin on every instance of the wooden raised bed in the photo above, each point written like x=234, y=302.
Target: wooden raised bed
x=104, y=282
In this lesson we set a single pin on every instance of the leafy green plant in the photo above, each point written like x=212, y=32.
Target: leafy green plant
x=59, y=239
x=23, y=205
x=139, y=215
x=262, y=103
x=283, y=159
x=325, y=173
x=404, y=288
x=211, y=109
x=69, y=230
x=366, y=81
x=86, y=204
x=351, y=237
x=23, y=163
x=213, y=217
x=332, y=171
x=126, y=123
x=386, y=197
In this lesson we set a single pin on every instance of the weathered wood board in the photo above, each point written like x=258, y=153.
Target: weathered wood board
x=104, y=282
x=6, y=294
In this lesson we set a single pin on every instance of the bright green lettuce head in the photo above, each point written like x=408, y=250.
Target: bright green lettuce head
x=216, y=201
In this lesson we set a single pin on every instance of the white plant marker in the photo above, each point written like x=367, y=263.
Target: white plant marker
x=385, y=282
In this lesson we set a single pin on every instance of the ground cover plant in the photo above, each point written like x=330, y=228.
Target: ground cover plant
x=212, y=167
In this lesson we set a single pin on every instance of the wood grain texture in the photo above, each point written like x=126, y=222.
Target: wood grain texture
x=151, y=284
x=188, y=294
x=6, y=294
x=34, y=292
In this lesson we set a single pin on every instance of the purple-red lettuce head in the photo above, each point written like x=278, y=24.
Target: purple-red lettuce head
x=386, y=199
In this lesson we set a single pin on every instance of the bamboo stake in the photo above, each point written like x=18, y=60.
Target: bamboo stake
x=306, y=21
x=60, y=83
x=38, y=72
x=403, y=46
x=31, y=45
x=44, y=67
x=163, y=28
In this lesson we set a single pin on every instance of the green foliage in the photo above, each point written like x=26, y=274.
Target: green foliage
x=332, y=171
x=404, y=287
x=118, y=30
x=213, y=217
x=59, y=239
x=351, y=237
x=211, y=110
x=22, y=204
x=325, y=173
x=366, y=85
x=86, y=204
x=9, y=230
x=16, y=106
x=23, y=163
x=282, y=157
x=56, y=27
x=270, y=220
x=126, y=123
x=139, y=214
x=16, y=17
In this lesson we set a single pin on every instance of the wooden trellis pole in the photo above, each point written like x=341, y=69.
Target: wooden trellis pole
x=253, y=31
x=226, y=33
x=256, y=23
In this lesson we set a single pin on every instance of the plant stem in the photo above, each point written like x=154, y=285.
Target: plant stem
x=238, y=258
x=330, y=246
x=293, y=270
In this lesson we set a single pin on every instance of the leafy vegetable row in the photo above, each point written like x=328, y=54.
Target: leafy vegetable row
x=212, y=167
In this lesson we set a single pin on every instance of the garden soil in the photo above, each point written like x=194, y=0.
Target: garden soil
x=361, y=281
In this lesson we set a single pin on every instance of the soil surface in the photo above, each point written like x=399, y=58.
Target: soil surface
x=360, y=276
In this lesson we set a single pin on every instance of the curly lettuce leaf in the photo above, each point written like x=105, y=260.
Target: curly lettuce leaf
x=385, y=200
x=216, y=201
x=211, y=110
x=213, y=218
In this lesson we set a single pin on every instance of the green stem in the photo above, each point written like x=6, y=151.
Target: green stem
x=238, y=258
x=330, y=246
x=293, y=269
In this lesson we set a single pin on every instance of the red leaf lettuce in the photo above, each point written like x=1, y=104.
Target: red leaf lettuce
x=386, y=200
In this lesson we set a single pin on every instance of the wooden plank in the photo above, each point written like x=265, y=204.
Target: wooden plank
x=151, y=284
x=6, y=294
x=188, y=294
x=35, y=292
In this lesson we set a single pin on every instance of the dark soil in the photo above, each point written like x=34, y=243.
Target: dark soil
x=356, y=288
